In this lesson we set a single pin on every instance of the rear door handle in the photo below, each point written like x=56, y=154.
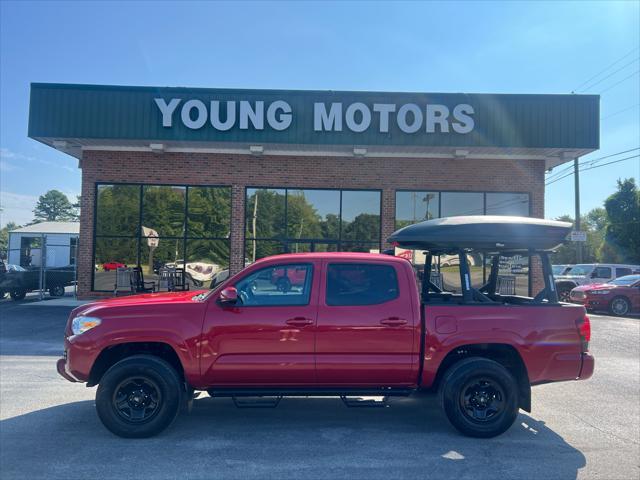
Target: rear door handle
x=393, y=321
x=299, y=321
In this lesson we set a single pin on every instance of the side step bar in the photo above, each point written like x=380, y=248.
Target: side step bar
x=359, y=402
x=256, y=402
x=310, y=392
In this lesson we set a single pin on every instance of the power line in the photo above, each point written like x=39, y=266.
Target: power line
x=604, y=70
x=618, y=83
x=619, y=111
x=591, y=162
x=591, y=168
x=612, y=73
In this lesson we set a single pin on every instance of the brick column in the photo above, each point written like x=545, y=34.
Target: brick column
x=84, y=255
x=237, y=229
x=388, y=215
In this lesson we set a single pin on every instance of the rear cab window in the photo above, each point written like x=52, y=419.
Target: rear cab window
x=351, y=284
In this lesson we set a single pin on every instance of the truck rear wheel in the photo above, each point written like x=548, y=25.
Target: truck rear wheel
x=479, y=397
x=56, y=291
x=139, y=397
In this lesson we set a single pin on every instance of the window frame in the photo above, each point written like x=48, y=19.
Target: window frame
x=308, y=281
x=329, y=264
x=286, y=241
x=139, y=237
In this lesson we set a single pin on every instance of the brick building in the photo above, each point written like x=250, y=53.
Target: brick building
x=210, y=179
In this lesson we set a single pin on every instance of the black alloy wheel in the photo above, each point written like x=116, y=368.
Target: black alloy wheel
x=139, y=396
x=137, y=399
x=479, y=397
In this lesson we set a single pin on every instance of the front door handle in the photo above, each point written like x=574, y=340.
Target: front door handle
x=393, y=321
x=299, y=321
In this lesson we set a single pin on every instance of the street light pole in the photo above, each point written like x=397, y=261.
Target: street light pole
x=576, y=179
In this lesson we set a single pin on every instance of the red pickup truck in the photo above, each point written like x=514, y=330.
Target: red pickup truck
x=354, y=324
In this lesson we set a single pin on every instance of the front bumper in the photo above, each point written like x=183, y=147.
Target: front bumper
x=588, y=365
x=61, y=366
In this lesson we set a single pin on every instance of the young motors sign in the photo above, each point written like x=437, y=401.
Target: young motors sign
x=356, y=117
x=75, y=117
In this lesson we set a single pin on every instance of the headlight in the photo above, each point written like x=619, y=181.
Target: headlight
x=82, y=324
x=599, y=292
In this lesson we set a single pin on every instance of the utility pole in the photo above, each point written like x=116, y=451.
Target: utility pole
x=576, y=179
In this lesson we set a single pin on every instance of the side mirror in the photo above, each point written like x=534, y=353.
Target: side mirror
x=594, y=274
x=228, y=296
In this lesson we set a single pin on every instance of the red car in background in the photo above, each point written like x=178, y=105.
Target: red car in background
x=620, y=296
x=112, y=266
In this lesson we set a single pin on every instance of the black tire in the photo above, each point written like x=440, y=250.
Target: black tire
x=475, y=385
x=564, y=293
x=57, y=291
x=620, y=306
x=143, y=382
x=18, y=294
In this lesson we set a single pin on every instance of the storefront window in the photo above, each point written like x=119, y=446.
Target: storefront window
x=110, y=254
x=508, y=204
x=179, y=227
x=413, y=207
x=310, y=220
x=163, y=209
x=361, y=215
x=461, y=203
x=417, y=206
x=118, y=210
x=265, y=213
x=313, y=214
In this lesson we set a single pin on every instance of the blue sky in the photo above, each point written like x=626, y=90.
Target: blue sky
x=501, y=47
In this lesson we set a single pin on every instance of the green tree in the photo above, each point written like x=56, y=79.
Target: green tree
x=594, y=223
x=4, y=238
x=54, y=206
x=622, y=237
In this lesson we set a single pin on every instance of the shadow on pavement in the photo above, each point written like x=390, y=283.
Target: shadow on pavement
x=311, y=438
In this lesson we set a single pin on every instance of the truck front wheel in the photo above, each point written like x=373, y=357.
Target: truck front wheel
x=18, y=294
x=139, y=396
x=479, y=397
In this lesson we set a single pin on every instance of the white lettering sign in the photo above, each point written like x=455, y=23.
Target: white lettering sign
x=358, y=117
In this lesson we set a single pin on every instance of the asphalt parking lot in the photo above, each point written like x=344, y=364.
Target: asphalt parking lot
x=49, y=428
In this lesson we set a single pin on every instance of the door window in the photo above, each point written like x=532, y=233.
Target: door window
x=360, y=284
x=621, y=272
x=602, y=272
x=277, y=285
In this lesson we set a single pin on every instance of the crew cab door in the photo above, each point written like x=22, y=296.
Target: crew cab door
x=267, y=337
x=365, y=331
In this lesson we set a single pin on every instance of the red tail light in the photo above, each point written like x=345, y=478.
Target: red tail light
x=584, y=330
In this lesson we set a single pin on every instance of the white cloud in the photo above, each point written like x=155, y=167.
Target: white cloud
x=16, y=207
x=7, y=154
x=7, y=167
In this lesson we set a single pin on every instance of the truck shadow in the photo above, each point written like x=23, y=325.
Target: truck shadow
x=312, y=438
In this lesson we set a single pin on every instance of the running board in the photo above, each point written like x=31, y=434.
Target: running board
x=310, y=392
x=256, y=402
x=359, y=402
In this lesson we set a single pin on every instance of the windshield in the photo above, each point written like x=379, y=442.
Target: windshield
x=15, y=268
x=627, y=280
x=560, y=269
x=581, y=270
